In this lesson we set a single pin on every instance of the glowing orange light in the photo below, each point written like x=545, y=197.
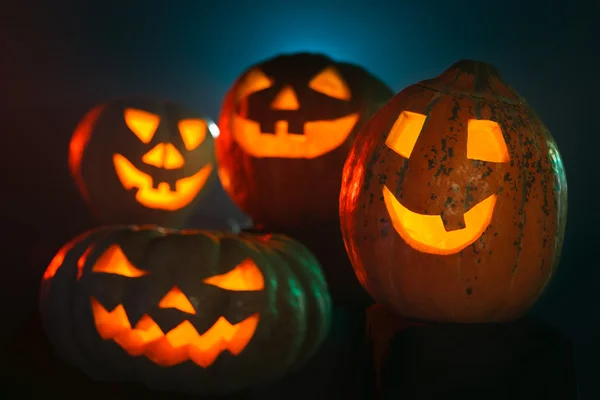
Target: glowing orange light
x=405, y=132
x=164, y=156
x=320, y=137
x=245, y=276
x=254, y=81
x=330, y=83
x=57, y=260
x=183, y=342
x=176, y=299
x=427, y=233
x=286, y=100
x=163, y=197
x=180, y=344
x=142, y=123
x=485, y=142
x=193, y=132
x=114, y=261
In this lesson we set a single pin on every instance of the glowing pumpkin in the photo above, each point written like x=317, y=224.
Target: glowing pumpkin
x=191, y=311
x=453, y=205
x=138, y=161
x=286, y=128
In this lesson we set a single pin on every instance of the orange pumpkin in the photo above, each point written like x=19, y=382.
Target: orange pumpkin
x=142, y=161
x=287, y=125
x=453, y=201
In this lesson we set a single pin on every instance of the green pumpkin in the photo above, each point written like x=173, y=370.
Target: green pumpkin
x=191, y=311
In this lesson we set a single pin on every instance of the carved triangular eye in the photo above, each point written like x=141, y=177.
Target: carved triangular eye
x=485, y=142
x=245, y=276
x=255, y=81
x=114, y=261
x=193, y=132
x=330, y=83
x=142, y=123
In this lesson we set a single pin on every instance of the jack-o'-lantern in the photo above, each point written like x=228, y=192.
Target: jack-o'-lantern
x=142, y=161
x=286, y=128
x=453, y=205
x=191, y=311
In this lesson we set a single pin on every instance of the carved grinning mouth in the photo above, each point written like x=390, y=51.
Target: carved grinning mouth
x=176, y=346
x=186, y=189
x=426, y=233
x=319, y=137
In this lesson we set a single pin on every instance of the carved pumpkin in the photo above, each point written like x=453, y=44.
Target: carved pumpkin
x=191, y=311
x=286, y=128
x=453, y=205
x=138, y=161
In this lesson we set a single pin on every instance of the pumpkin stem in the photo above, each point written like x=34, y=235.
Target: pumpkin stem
x=474, y=78
x=478, y=68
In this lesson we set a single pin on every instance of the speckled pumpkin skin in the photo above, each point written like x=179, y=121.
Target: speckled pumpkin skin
x=499, y=276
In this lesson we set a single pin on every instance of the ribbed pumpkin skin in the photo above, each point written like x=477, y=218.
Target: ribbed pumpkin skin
x=294, y=305
x=501, y=274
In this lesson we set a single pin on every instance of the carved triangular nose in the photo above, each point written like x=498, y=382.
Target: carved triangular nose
x=286, y=100
x=164, y=156
x=176, y=299
x=173, y=158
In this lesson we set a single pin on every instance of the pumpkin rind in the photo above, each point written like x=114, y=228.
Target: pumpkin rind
x=294, y=305
x=282, y=193
x=503, y=272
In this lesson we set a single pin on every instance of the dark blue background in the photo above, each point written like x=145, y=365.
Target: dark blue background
x=58, y=58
